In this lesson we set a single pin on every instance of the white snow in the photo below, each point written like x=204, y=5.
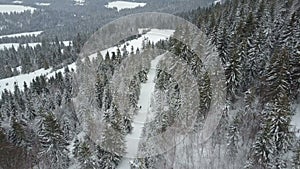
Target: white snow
x=19, y=68
x=42, y=4
x=132, y=139
x=79, y=2
x=33, y=44
x=21, y=34
x=8, y=83
x=15, y=8
x=217, y=1
x=70, y=66
x=67, y=43
x=296, y=121
x=154, y=35
x=8, y=45
x=119, y=5
x=17, y=2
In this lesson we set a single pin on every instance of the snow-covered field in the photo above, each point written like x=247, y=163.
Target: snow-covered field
x=17, y=2
x=8, y=83
x=119, y=5
x=217, y=1
x=79, y=2
x=21, y=34
x=8, y=45
x=16, y=45
x=154, y=35
x=296, y=120
x=15, y=8
x=42, y=4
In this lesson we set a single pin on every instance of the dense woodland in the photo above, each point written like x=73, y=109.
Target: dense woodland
x=50, y=53
x=258, y=43
x=64, y=19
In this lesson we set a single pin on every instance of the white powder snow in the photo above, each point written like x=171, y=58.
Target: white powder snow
x=217, y=1
x=79, y=2
x=15, y=8
x=21, y=34
x=119, y=5
x=34, y=44
x=70, y=67
x=42, y=4
x=296, y=121
x=8, y=45
x=154, y=35
x=17, y=2
x=9, y=83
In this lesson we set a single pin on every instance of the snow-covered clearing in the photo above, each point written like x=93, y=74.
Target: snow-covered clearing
x=79, y=2
x=17, y=2
x=296, y=121
x=154, y=35
x=119, y=5
x=8, y=83
x=8, y=45
x=15, y=8
x=34, y=44
x=42, y=4
x=16, y=45
x=21, y=34
x=132, y=139
x=217, y=1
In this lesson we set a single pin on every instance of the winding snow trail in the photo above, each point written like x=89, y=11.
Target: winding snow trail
x=132, y=139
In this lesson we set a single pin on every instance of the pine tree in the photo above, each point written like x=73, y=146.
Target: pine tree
x=18, y=134
x=112, y=148
x=233, y=75
x=53, y=143
x=232, y=140
x=85, y=157
x=100, y=85
x=296, y=156
x=278, y=78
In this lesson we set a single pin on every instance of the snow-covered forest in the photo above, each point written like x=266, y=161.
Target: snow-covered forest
x=144, y=102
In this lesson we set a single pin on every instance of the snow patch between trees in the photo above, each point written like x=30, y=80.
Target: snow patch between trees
x=154, y=35
x=132, y=139
x=15, y=8
x=21, y=34
x=79, y=2
x=296, y=121
x=119, y=5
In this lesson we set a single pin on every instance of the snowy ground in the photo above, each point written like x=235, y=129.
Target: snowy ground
x=42, y=4
x=119, y=5
x=296, y=121
x=17, y=2
x=79, y=2
x=16, y=45
x=132, y=139
x=15, y=8
x=154, y=35
x=21, y=34
x=8, y=45
x=8, y=83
